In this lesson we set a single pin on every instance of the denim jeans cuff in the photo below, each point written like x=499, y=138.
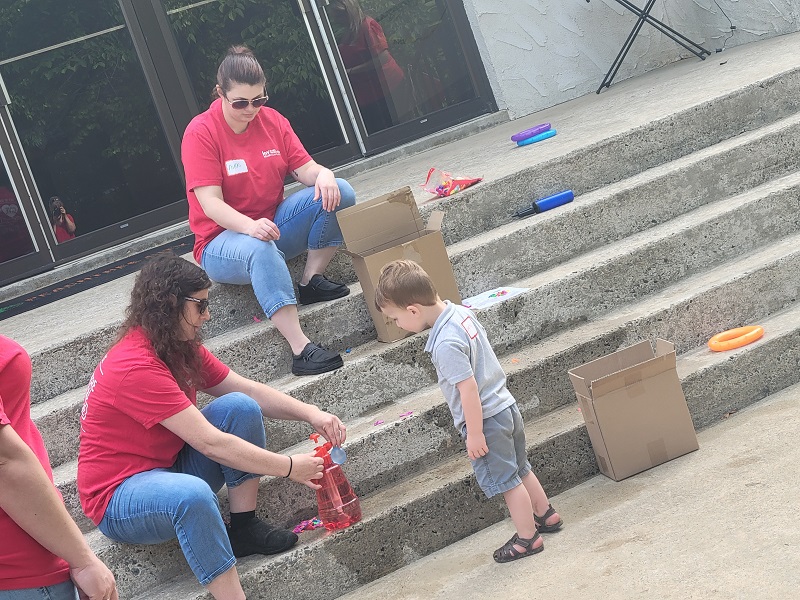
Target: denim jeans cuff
x=279, y=305
x=241, y=480
x=212, y=576
x=330, y=244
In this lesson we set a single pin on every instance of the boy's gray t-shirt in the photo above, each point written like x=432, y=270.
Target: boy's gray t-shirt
x=460, y=349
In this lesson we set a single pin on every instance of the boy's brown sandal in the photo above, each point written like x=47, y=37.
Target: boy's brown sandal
x=541, y=522
x=507, y=552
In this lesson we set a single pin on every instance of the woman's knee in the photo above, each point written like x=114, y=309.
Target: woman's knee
x=197, y=501
x=347, y=192
x=239, y=415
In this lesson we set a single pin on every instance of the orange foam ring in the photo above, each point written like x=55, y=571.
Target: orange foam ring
x=735, y=338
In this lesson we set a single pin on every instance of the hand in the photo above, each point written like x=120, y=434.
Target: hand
x=306, y=468
x=264, y=230
x=330, y=427
x=94, y=581
x=476, y=445
x=327, y=189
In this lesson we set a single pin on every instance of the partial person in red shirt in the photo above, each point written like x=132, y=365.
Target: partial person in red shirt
x=42, y=551
x=150, y=461
x=382, y=89
x=236, y=156
x=63, y=223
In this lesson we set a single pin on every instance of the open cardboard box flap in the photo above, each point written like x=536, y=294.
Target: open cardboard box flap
x=384, y=222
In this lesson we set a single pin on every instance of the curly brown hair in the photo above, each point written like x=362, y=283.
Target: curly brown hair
x=157, y=302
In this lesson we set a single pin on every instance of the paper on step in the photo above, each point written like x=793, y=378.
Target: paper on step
x=490, y=297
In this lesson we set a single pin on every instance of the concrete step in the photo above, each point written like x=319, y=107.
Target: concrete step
x=380, y=455
x=416, y=517
x=577, y=290
x=476, y=211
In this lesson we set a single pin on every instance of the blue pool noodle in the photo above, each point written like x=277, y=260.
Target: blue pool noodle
x=538, y=138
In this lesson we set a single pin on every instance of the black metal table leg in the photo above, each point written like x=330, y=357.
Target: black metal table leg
x=643, y=16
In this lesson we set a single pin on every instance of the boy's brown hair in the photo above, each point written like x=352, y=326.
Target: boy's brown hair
x=403, y=283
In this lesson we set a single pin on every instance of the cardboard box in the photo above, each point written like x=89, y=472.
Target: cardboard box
x=634, y=409
x=388, y=228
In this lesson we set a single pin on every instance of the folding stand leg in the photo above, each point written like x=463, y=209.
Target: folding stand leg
x=643, y=16
x=623, y=52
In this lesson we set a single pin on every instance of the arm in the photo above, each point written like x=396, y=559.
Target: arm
x=192, y=427
x=473, y=414
x=27, y=495
x=369, y=65
x=324, y=182
x=277, y=405
x=224, y=215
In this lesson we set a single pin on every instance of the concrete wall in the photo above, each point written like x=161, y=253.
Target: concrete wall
x=539, y=53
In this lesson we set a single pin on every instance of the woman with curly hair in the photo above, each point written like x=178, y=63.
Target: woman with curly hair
x=151, y=461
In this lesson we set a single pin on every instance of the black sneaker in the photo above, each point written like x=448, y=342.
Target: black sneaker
x=258, y=537
x=321, y=289
x=314, y=360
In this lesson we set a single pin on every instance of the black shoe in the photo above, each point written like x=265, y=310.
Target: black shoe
x=321, y=289
x=314, y=360
x=258, y=537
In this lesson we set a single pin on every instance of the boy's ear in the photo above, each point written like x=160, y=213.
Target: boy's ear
x=413, y=309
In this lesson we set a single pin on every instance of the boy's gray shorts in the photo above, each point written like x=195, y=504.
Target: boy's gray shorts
x=506, y=463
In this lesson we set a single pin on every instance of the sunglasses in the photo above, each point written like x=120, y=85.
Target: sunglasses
x=242, y=104
x=202, y=304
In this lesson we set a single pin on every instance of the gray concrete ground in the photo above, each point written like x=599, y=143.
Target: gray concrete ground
x=718, y=523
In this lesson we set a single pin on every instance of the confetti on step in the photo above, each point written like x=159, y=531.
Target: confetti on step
x=379, y=422
x=348, y=351
x=256, y=319
x=515, y=360
x=308, y=525
x=405, y=415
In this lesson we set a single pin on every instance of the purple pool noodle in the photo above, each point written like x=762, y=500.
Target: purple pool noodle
x=538, y=138
x=524, y=135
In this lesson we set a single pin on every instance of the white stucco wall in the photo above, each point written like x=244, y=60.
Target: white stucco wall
x=539, y=53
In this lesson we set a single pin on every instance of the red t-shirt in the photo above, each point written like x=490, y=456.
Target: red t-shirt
x=129, y=394
x=249, y=166
x=373, y=85
x=62, y=235
x=23, y=562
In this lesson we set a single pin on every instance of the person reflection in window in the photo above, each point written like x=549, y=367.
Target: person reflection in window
x=63, y=223
x=382, y=90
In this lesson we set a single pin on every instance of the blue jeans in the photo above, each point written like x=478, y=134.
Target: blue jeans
x=240, y=259
x=59, y=591
x=163, y=504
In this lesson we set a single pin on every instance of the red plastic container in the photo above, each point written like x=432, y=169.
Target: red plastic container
x=338, y=504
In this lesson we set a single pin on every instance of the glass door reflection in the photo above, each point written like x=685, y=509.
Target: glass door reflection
x=86, y=121
x=15, y=236
x=404, y=60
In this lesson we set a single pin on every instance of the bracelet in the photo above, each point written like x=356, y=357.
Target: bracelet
x=290, y=467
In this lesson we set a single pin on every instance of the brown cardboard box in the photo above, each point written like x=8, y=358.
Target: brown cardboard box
x=634, y=409
x=388, y=228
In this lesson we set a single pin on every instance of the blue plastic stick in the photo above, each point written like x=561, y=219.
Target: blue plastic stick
x=538, y=138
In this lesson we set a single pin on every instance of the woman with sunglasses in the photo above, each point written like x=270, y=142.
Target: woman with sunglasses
x=151, y=462
x=236, y=156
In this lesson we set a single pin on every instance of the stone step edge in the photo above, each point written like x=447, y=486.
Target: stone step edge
x=451, y=484
x=649, y=312
x=698, y=285
x=308, y=313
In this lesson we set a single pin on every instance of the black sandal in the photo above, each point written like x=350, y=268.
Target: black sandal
x=507, y=552
x=541, y=522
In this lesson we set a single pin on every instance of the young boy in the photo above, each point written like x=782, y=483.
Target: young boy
x=484, y=411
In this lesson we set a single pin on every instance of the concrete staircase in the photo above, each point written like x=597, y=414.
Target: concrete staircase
x=683, y=226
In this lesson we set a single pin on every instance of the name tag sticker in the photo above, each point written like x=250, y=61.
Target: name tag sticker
x=469, y=326
x=235, y=167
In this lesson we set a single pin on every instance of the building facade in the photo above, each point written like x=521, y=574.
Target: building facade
x=94, y=96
